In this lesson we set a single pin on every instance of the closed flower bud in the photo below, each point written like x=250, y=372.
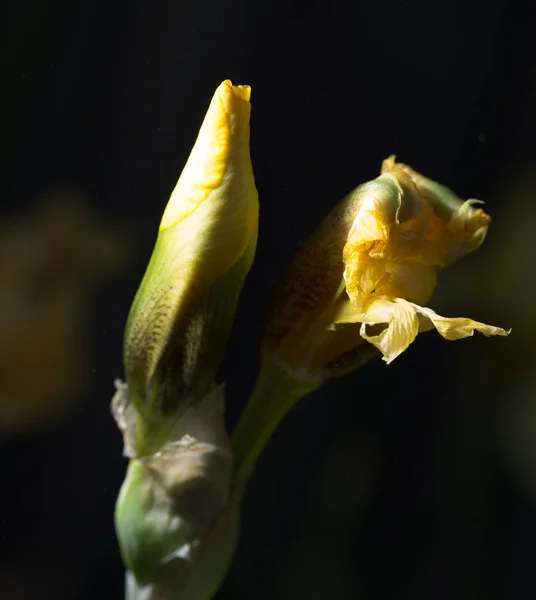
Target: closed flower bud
x=359, y=284
x=181, y=316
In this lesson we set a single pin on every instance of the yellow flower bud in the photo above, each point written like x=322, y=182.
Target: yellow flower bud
x=360, y=281
x=181, y=316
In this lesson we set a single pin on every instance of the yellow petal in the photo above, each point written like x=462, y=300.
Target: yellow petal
x=402, y=326
x=224, y=132
x=454, y=328
x=456, y=227
x=380, y=202
x=363, y=275
x=212, y=215
x=411, y=280
x=368, y=239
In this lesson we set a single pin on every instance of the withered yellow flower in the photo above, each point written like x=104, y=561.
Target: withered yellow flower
x=363, y=279
x=181, y=316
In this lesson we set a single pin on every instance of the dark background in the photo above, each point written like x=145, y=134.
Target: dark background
x=416, y=480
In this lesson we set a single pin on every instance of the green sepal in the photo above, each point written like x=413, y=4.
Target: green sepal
x=198, y=574
x=172, y=356
x=170, y=499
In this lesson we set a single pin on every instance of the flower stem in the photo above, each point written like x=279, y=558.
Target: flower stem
x=274, y=394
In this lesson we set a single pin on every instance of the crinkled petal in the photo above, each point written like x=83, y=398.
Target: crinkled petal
x=454, y=328
x=363, y=275
x=467, y=230
x=379, y=204
x=402, y=326
x=370, y=225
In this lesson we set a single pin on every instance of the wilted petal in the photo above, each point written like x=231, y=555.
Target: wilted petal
x=379, y=205
x=467, y=230
x=459, y=228
x=362, y=275
x=454, y=328
x=368, y=240
x=402, y=326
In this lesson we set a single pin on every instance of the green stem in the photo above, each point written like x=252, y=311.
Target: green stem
x=147, y=441
x=275, y=393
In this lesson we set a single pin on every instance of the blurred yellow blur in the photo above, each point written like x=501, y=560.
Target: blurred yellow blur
x=49, y=262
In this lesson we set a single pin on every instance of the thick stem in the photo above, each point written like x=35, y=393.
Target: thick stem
x=275, y=393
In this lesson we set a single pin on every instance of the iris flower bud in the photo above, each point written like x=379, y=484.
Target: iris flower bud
x=181, y=316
